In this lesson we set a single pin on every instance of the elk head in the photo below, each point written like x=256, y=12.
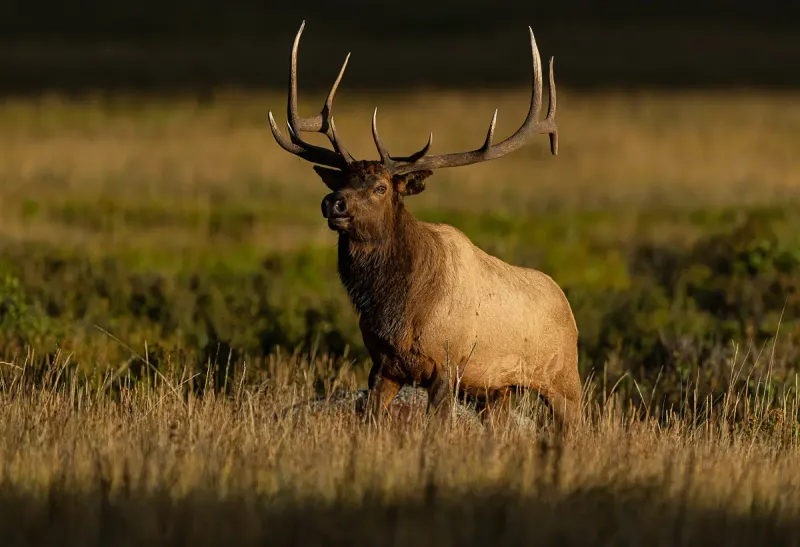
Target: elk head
x=366, y=195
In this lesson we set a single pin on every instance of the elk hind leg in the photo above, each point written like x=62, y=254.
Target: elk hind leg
x=564, y=396
x=495, y=409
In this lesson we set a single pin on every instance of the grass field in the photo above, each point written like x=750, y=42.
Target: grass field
x=167, y=284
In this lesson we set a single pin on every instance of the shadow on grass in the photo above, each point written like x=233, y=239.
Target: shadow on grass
x=637, y=516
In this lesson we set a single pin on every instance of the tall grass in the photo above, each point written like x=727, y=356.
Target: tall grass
x=169, y=460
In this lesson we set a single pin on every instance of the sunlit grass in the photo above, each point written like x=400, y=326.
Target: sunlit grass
x=165, y=463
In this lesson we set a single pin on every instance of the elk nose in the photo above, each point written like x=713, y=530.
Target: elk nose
x=339, y=207
x=334, y=205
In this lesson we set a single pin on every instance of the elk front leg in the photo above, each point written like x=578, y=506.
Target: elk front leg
x=382, y=392
x=440, y=400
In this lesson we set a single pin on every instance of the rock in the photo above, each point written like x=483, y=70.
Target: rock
x=409, y=402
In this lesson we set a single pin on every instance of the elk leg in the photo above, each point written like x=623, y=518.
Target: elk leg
x=566, y=396
x=381, y=394
x=497, y=409
x=440, y=401
x=565, y=410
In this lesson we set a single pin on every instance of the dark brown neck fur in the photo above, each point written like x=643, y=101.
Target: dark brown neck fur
x=392, y=282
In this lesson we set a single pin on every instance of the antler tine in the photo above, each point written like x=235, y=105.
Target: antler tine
x=383, y=152
x=421, y=153
x=328, y=107
x=551, y=111
x=531, y=126
x=490, y=134
x=536, y=97
x=322, y=122
x=291, y=106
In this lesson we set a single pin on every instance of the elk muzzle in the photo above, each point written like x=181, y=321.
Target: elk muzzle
x=334, y=208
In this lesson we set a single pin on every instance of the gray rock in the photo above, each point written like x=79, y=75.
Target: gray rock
x=410, y=401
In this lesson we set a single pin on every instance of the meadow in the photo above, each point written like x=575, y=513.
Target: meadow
x=168, y=287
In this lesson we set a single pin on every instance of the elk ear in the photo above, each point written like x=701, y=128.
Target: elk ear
x=412, y=183
x=332, y=178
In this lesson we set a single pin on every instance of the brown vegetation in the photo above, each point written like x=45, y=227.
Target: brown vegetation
x=156, y=463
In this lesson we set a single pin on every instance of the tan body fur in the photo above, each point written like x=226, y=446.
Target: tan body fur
x=510, y=326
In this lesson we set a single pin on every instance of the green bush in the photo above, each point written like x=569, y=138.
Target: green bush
x=22, y=321
x=684, y=308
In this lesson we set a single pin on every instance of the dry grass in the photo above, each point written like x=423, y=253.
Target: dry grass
x=158, y=464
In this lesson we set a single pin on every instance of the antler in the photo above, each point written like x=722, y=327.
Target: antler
x=323, y=123
x=532, y=126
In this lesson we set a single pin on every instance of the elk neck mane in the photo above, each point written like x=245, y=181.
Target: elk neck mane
x=394, y=282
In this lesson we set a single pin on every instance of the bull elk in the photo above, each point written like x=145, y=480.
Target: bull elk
x=429, y=301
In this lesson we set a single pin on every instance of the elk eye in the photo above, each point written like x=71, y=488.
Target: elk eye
x=380, y=190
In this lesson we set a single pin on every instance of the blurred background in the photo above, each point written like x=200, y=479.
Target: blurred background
x=143, y=199
x=204, y=45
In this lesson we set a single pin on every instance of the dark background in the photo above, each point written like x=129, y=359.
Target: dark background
x=199, y=45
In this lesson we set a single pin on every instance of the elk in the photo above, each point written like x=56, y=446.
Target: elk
x=429, y=301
